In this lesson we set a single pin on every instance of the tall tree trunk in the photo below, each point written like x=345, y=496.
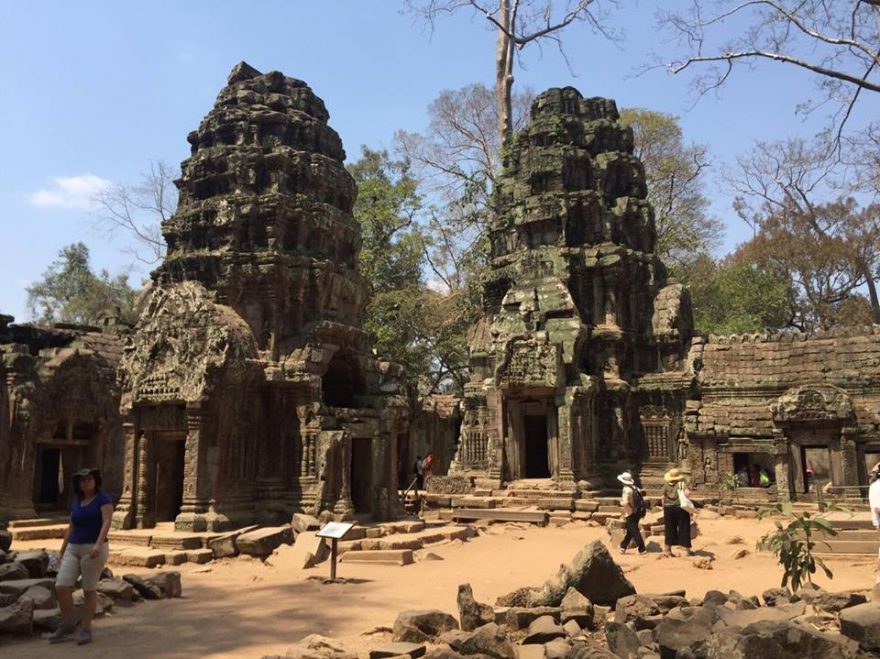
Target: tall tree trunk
x=504, y=71
x=872, y=294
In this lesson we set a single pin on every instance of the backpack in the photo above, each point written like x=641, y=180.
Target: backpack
x=638, y=503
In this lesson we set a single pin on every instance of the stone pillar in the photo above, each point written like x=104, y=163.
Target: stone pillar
x=849, y=468
x=123, y=515
x=783, y=475
x=494, y=435
x=143, y=517
x=560, y=417
x=196, y=489
x=344, y=506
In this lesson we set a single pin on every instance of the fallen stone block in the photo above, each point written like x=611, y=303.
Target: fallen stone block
x=47, y=620
x=380, y=556
x=17, y=618
x=488, y=641
x=543, y=630
x=303, y=522
x=137, y=557
x=471, y=613
x=862, y=624
x=36, y=562
x=518, y=617
x=199, y=555
x=42, y=597
x=118, y=589
x=779, y=639
x=18, y=587
x=143, y=588
x=168, y=583
x=262, y=542
x=419, y=626
x=223, y=546
x=175, y=557
x=13, y=571
x=413, y=650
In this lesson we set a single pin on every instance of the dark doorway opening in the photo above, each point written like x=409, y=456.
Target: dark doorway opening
x=537, y=460
x=168, y=483
x=362, y=475
x=816, y=461
x=341, y=383
x=49, y=493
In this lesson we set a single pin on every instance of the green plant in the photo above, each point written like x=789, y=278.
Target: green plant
x=729, y=483
x=793, y=544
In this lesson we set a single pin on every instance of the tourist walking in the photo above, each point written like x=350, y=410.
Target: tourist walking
x=633, y=510
x=83, y=554
x=676, y=517
x=874, y=503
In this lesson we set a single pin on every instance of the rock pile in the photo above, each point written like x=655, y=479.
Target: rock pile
x=599, y=615
x=27, y=591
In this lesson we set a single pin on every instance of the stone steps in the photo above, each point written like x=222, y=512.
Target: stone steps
x=36, y=522
x=45, y=532
x=496, y=515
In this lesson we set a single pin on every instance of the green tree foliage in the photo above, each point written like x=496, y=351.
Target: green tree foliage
x=674, y=172
x=70, y=292
x=736, y=296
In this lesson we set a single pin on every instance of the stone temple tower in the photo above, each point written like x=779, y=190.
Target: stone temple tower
x=582, y=345
x=249, y=387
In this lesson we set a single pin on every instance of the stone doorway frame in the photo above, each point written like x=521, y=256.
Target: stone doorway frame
x=516, y=408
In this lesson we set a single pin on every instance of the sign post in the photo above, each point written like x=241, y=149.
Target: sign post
x=335, y=531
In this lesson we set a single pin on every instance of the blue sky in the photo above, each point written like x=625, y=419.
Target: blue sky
x=92, y=91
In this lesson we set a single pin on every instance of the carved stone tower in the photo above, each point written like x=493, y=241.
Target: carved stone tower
x=582, y=342
x=249, y=387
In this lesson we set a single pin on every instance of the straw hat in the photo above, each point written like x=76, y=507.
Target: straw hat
x=626, y=478
x=674, y=475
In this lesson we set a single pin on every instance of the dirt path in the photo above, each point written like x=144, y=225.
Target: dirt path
x=243, y=608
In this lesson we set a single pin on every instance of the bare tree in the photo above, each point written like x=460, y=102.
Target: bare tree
x=138, y=211
x=837, y=41
x=788, y=190
x=519, y=23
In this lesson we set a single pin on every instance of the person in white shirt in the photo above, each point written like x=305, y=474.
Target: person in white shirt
x=874, y=503
x=633, y=510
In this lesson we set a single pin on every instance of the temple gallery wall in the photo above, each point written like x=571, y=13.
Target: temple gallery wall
x=248, y=390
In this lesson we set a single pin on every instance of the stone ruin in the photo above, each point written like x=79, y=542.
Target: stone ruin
x=579, y=363
x=248, y=389
x=586, y=362
x=60, y=411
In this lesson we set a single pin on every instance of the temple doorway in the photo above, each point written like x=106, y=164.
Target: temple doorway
x=49, y=485
x=362, y=475
x=816, y=461
x=170, y=455
x=537, y=462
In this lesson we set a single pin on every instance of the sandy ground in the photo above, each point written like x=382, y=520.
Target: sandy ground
x=243, y=608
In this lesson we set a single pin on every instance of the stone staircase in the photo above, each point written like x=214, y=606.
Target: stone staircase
x=40, y=528
x=856, y=536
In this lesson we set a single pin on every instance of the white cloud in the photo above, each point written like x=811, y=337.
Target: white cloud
x=437, y=285
x=70, y=192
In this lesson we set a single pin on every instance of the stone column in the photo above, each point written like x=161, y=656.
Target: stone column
x=559, y=415
x=143, y=517
x=344, y=507
x=782, y=472
x=849, y=457
x=196, y=489
x=123, y=515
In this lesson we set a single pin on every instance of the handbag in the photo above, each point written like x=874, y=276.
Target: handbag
x=686, y=504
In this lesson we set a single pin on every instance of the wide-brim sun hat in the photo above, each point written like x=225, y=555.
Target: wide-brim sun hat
x=674, y=475
x=626, y=478
x=94, y=472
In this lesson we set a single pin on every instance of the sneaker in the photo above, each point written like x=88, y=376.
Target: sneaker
x=642, y=551
x=62, y=633
x=621, y=550
x=85, y=636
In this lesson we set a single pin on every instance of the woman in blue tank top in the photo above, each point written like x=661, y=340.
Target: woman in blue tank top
x=83, y=553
